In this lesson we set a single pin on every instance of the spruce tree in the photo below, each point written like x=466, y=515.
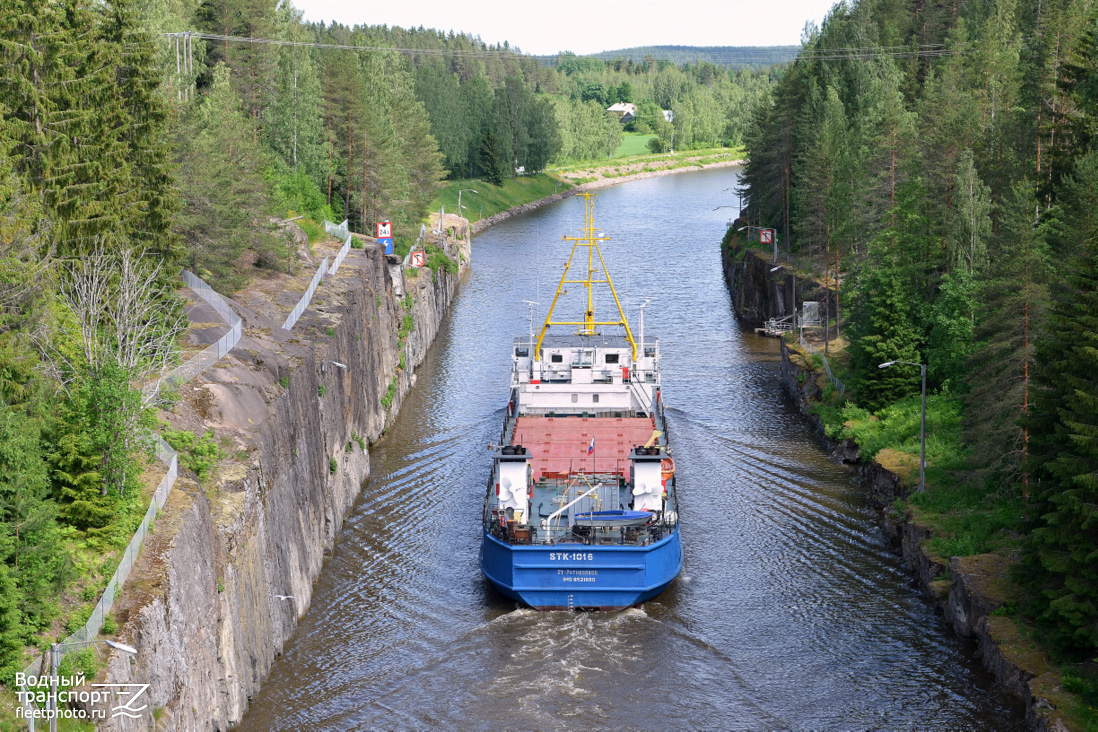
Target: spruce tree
x=492, y=160
x=11, y=636
x=136, y=76
x=883, y=331
x=1061, y=561
x=1012, y=312
x=79, y=483
x=226, y=200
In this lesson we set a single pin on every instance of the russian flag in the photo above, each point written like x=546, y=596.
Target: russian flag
x=591, y=447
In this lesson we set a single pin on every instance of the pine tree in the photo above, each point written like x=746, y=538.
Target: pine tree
x=823, y=198
x=972, y=223
x=294, y=121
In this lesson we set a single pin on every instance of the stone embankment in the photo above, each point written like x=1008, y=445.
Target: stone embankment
x=229, y=570
x=968, y=590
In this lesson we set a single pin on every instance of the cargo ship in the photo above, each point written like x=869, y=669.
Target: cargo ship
x=581, y=510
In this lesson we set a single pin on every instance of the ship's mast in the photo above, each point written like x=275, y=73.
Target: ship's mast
x=590, y=239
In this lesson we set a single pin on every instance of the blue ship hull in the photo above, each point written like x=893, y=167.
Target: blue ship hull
x=574, y=576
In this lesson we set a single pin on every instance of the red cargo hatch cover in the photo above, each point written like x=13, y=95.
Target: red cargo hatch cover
x=559, y=445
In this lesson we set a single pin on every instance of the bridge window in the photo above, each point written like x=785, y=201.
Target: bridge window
x=522, y=352
x=611, y=358
x=556, y=358
x=649, y=351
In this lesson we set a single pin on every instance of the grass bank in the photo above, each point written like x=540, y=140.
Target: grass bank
x=588, y=171
x=490, y=200
x=966, y=516
x=633, y=144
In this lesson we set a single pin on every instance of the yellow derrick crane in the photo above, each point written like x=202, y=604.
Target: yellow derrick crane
x=589, y=239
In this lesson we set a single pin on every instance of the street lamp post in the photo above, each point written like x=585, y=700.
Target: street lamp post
x=55, y=664
x=739, y=202
x=922, y=424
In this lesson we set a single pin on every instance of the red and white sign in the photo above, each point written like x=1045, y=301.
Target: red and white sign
x=766, y=236
x=384, y=230
x=419, y=259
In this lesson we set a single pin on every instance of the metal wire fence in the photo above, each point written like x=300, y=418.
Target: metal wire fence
x=418, y=245
x=214, y=352
x=839, y=386
x=339, y=231
x=164, y=452
x=340, y=256
x=303, y=303
x=835, y=382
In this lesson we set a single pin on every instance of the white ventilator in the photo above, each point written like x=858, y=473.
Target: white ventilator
x=648, y=497
x=512, y=486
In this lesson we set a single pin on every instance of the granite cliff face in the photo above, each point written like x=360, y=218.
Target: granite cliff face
x=759, y=291
x=230, y=567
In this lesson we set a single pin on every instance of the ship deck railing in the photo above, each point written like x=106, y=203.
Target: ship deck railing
x=585, y=535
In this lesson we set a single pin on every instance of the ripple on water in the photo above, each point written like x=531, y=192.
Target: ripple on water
x=792, y=610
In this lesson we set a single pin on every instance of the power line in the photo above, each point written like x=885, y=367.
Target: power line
x=740, y=54
x=349, y=47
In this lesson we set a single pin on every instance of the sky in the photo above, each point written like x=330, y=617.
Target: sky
x=587, y=26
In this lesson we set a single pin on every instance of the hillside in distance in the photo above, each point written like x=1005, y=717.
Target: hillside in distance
x=734, y=57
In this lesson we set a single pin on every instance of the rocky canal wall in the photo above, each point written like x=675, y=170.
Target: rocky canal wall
x=759, y=291
x=230, y=567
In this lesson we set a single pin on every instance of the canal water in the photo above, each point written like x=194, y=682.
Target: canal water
x=792, y=610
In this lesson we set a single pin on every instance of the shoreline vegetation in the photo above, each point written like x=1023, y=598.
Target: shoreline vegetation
x=951, y=534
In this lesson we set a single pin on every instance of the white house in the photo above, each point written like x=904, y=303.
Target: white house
x=625, y=110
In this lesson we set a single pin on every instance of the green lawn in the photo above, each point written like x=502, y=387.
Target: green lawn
x=633, y=144
x=490, y=200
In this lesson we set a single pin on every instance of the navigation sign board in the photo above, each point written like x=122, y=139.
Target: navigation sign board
x=385, y=235
x=766, y=236
x=418, y=259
